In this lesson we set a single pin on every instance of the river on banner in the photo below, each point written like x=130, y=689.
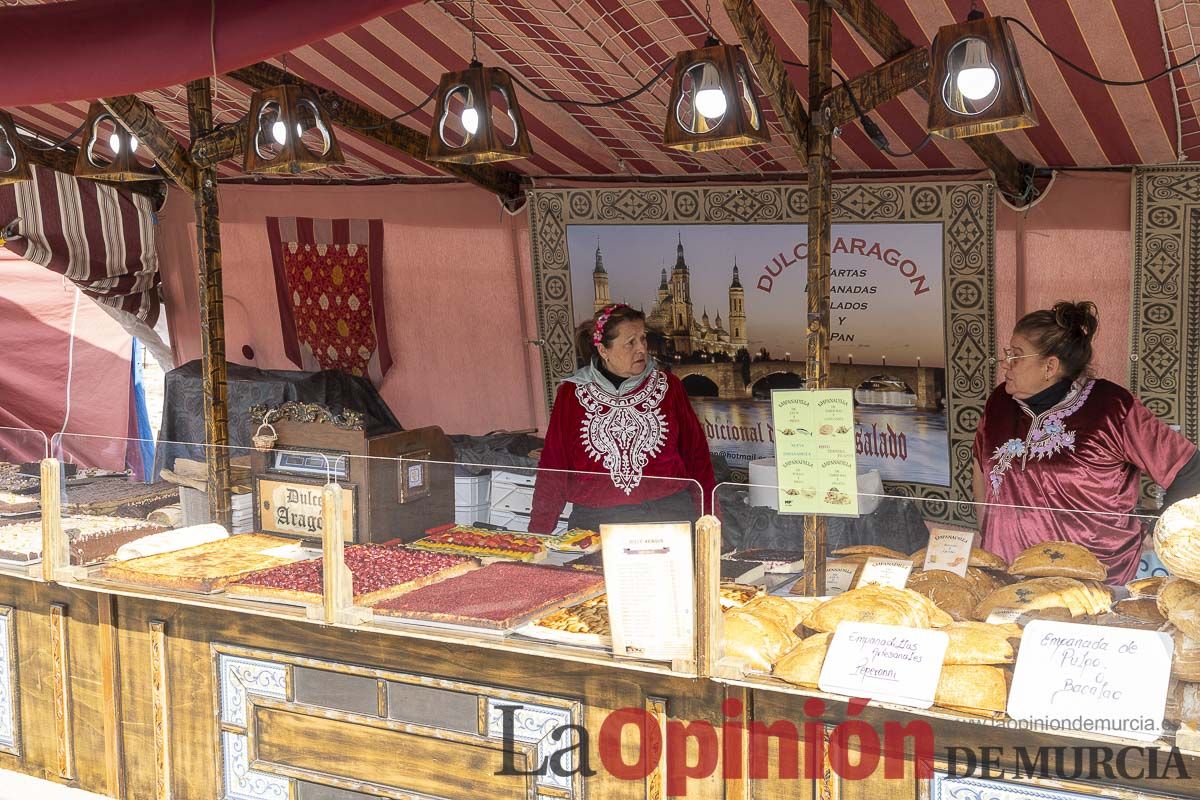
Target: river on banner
x=904, y=444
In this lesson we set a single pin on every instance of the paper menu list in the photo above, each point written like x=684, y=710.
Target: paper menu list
x=648, y=575
x=949, y=551
x=814, y=451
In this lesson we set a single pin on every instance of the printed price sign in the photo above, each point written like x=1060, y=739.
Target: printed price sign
x=949, y=550
x=1091, y=678
x=886, y=572
x=884, y=662
x=839, y=576
x=814, y=451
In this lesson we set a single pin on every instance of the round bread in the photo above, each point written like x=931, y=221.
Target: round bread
x=1142, y=609
x=1058, y=559
x=1177, y=539
x=869, y=550
x=1037, y=594
x=883, y=605
x=1173, y=591
x=974, y=689
x=954, y=595
x=986, y=581
x=979, y=558
x=980, y=643
x=1185, y=615
x=789, y=615
x=754, y=640
x=802, y=664
x=1185, y=664
x=1146, y=587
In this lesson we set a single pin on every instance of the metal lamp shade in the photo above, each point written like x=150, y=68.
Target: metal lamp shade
x=289, y=132
x=713, y=104
x=469, y=103
x=109, y=152
x=14, y=166
x=975, y=81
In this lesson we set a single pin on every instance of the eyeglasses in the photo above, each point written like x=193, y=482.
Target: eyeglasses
x=1008, y=356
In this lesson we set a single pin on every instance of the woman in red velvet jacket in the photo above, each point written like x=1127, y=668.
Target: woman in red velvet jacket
x=623, y=444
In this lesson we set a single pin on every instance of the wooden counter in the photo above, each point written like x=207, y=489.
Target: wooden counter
x=142, y=696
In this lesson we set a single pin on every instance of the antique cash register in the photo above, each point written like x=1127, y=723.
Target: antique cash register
x=390, y=488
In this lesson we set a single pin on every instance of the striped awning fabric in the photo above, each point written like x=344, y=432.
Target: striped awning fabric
x=601, y=49
x=98, y=237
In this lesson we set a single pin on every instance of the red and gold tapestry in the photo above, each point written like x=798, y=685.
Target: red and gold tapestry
x=329, y=282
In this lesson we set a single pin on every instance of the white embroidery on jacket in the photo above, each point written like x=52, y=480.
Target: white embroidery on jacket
x=1047, y=435
x=624, y=433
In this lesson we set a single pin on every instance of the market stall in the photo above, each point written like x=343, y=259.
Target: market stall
x=776, y=589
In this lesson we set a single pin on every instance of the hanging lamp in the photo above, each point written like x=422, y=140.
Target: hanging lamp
x=14, y=165
x=976, y=85
x=290, y=132
x=469, y=103
x=110, y=152
x=713, y=105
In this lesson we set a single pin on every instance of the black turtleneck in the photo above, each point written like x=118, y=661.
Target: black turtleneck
x=1049, y=397
x=615, y=380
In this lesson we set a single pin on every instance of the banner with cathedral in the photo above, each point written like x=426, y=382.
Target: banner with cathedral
x=726, y=306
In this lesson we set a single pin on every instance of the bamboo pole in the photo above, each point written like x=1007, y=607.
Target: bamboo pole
x=820, y=208
x=212, y=314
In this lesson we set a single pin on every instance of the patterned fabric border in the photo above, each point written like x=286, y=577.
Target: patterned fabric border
x=1164, y=368
x=966, y=210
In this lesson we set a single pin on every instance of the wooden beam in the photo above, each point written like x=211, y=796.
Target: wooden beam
x=212, y=315
x=820, y=223
x=228, y=142
x=772, y=73
x=367, y=122
x=169, y=154
x=881, y=32
x=876, y=86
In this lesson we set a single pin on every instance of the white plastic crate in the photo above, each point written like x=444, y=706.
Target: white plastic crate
x=469, y=515
x=472, y=490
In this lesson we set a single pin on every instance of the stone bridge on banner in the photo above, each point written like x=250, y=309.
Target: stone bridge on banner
x=727, y=380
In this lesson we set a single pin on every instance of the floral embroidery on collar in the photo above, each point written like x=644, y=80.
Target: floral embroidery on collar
x=1047, y=436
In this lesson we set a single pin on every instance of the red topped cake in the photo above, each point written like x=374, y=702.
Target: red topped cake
x=503, y=595
x=482, y=543
x=379, y=572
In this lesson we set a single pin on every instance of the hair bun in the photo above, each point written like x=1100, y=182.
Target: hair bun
x=1079, y=318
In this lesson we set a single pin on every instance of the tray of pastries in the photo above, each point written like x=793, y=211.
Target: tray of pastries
x=464, y=540
x=207, y=568
x=501, y=596
x=13, y=504
x=379, y=572
x=120, y=497
x=576, y=540
x=92, y=539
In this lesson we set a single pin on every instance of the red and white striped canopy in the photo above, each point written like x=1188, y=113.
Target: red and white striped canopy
x=601, y=49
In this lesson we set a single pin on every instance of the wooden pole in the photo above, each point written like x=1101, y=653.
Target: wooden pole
x=820, y=210
x=212, y=314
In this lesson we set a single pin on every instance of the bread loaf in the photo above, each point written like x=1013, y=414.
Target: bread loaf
x=1058, y=559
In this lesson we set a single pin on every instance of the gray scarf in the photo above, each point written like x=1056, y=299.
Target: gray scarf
x=592, y=374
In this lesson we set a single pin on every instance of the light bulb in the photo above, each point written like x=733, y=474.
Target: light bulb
x=114, y=142
x=710, y=97
x=976, y=78
x=133, y=144
x=470, y=119
x=711, y=103
x=976, y=83
x=279, y=131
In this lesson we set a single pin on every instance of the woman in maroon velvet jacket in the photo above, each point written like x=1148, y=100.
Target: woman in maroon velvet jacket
x=1058, y=452
x=623, y=444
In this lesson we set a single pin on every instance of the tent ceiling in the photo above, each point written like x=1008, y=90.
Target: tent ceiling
x=599, y=49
